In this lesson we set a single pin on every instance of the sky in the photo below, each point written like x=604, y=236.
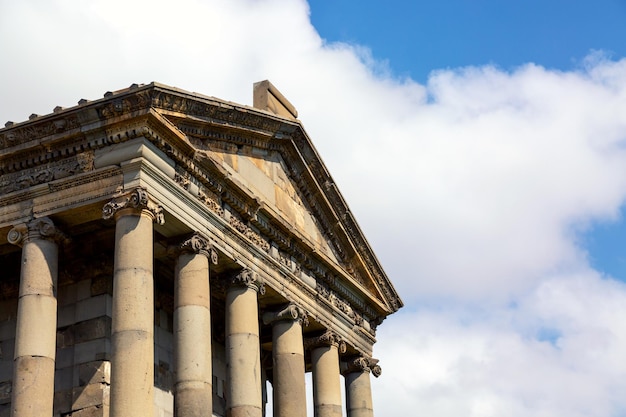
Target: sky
x=480, y=145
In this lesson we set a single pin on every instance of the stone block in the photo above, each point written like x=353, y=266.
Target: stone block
x=62, y=401
x=66, y=295
x=7, y=329
x=94, y=350
x=83, y=289
x=66, y=315
x=95, y=411
x=94, y=372
x=93, y=307
x=102, y=284
x=96, y=328
x=6, y=370
x=5, y=392
x=63, y=378
x=163, y=338
x=65, y=357
x=7, y=349
x=90, y=396
x=8, y=309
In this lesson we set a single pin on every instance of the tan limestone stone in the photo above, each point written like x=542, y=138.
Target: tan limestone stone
x=132, y=339
x=243, y=390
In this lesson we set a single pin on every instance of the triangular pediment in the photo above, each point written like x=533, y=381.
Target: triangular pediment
x=273, y=169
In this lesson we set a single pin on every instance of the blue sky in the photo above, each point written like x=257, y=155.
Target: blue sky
x=417, y=37
x=479, y=144
x=414, y=38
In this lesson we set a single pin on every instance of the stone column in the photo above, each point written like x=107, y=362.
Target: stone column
x=193, y=395
x=325, y=350
x=243, y=349
x=35, y=338
x=358, y=388
x=289, y=392
x=132, y=326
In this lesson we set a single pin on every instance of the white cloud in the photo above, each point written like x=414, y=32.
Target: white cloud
x=473, y=188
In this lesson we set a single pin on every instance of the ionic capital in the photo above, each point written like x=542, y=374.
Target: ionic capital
x=328, y=338
x=362, y=364
x=198, y=244
x=42, y=228
x=136, y=202
x=290, y=312
x=248, y=278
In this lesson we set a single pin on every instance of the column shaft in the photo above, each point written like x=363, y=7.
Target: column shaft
x=359, y=394
x=243, y=391
x=132, y=327
x=193, y=396
x=35, y=339
x=289, y=392
x=326, y=381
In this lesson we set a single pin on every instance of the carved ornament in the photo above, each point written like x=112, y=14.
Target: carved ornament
x=42, y=228
x=250, y=279
x=362, y=364
x=200, y=245
x=137, y=200
x=290, y=312
x=328, y=338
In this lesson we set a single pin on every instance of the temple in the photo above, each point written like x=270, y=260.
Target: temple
x=166, y=253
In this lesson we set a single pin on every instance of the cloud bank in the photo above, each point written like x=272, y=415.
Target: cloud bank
x=473, y=189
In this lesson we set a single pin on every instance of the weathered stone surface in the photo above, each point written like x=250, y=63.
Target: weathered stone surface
x=95, y=372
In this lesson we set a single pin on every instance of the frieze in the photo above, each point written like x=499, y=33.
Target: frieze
x=249, y=233
x=20, y=135
x=125, y=104
x=79, y=163
x=214, y=111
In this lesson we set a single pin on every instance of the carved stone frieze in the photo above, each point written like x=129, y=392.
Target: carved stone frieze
x=290, y=312
x=197, y=243
x=248, y=278
x=42, y=228
x=211, y=200
x=249, y=233
x=20, y=135
x=362, y=364
x=214, y=111
x=79, y=163
x=125, y=104
x=138, y=200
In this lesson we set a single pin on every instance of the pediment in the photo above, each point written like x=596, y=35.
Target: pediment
x=290, y=196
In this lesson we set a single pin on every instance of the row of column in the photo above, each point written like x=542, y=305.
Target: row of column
x=132, y=338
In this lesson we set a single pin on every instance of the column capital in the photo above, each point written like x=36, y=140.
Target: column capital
x=361, y=364
x=328, y=338
x=42, y=228
x=290, y=312
x=198, y=244
x=248, y=278
x=136, y=201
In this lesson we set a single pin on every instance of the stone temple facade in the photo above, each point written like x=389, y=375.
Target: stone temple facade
x=165, y=253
